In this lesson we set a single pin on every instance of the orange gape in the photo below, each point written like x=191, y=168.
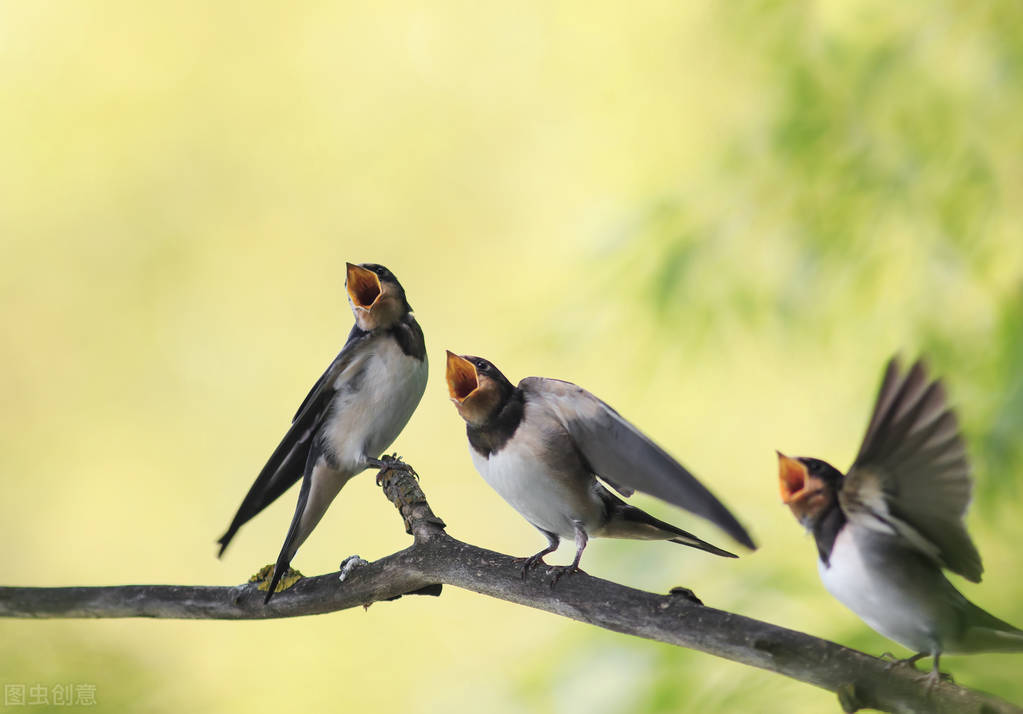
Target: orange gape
x=461, y=376
x=363, y=286
x=792, y=478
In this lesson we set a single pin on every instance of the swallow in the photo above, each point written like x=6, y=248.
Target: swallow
x=352, y=414
x=887, y=529
x=543, y=444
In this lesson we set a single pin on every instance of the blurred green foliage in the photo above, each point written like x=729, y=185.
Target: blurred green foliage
x=722, y=218
x=883, y=178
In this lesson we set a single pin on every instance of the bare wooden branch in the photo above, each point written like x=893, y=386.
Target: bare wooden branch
x=861, y=681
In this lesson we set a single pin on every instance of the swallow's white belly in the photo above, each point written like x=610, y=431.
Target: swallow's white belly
x=376, y=397
x=549, y=500
x=892, y=597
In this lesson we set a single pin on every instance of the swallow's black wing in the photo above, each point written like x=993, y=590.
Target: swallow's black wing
x=287, y=462
x=911, y=476
x=623, y=456
x=284, y=559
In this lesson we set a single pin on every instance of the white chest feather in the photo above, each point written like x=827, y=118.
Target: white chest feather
x=375, y=398
x=546, y=498
x=885, y=597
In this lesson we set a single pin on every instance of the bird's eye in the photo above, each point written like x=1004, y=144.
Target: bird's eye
x=483, y=366
x=814, y=467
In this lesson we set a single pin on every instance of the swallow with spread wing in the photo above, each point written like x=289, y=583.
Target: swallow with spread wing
x=886, y=529
x=542, y=445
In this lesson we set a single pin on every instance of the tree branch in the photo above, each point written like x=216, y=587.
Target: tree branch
x=436, y=558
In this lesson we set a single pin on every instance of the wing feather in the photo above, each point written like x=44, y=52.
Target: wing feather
x=287, y=462
x=623, y=456
x=913, y=457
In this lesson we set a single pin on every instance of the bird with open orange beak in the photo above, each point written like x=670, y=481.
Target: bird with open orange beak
x=352, y=414
x=886, y=529
x=544, y=443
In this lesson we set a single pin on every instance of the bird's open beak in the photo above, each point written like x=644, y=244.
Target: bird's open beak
x=793, y=479
x=363, y=286
x=462, y=379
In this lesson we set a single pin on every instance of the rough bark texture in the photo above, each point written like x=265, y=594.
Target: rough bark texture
x=436, y=559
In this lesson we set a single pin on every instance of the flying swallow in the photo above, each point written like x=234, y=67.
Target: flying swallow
x=352, y=414
x=542, y=446
x=887, y=529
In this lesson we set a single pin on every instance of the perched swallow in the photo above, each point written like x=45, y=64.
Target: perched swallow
x=887, y=528
x=542, y=445
x=353, y=412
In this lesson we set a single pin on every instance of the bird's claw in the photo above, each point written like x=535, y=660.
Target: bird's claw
x=392, y=462
x=894, y=661
x=932, y=678
x=531, y=562
x=557, y=572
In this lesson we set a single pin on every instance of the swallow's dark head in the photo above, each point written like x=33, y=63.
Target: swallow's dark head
x=809, y=487
x=476, y=386
x=376, y=296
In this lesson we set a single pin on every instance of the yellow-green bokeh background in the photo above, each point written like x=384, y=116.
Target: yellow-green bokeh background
x=722, y=218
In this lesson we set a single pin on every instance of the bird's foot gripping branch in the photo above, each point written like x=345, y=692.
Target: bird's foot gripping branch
x=391, y=462
x=401, y=486
x=436, y=558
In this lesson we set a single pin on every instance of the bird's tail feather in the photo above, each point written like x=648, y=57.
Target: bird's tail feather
x=627, y=521
x=280, y=473
x=986, y=633
x=694, y=542
x=986, y=639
